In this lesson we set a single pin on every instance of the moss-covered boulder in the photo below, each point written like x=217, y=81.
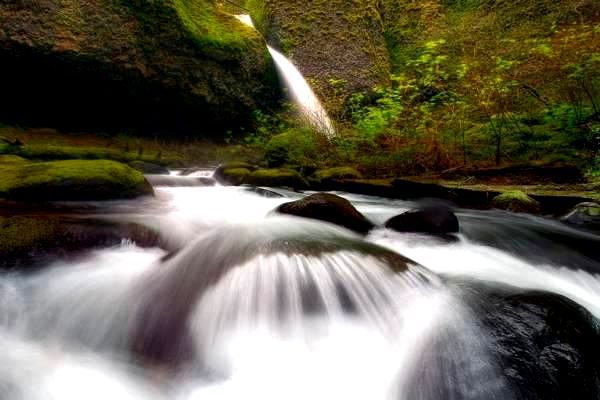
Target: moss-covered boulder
x=161, y=65
x=337, y=173
x=516, y=201
x=329, y=208
x=338, y=45
x=233, y=173
x=71, y=180
x=276, y=178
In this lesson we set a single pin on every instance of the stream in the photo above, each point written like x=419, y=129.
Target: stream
x=255, y=305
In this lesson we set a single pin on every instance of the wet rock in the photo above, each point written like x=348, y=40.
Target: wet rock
x=149, y=168
x=584, y=215
x=330, y=208
x=516, y=201
x=264, y=192
x=71, y=180
x=31, y=241
x=546, y=344
x=436, y=220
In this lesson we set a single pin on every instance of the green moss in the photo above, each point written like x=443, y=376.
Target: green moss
x=338, y=173
x=276, y=178
x=11, y=159
x=71, y=180
x=236, y=176
x=516, y=201
x=45, y=152
x=19, y=235
x=295, y=147
x=211, y=28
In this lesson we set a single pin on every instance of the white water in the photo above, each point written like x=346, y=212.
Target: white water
x=273, y=325
x=302, y=95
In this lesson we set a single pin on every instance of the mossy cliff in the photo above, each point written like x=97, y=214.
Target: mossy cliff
x=338, y=45
x=151, y=65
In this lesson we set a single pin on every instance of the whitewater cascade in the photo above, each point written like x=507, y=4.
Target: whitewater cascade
x=299, y=90
x=255, y=305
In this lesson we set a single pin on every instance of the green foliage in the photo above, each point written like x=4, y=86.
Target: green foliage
x=296, y=147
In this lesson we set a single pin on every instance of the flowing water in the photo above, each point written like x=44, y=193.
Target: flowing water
x=299, y=90
x=254, y=305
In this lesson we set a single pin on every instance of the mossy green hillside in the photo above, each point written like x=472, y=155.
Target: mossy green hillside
x=71, y=180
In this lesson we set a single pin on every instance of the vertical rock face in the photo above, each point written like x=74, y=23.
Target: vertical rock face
x=338, y=45
x=160, y=65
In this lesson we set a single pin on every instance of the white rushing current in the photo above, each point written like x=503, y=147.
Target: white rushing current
x=301, y=94
x=328, y=325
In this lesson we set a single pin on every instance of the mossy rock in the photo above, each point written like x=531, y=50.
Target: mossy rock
x=337, y=173
x=71, y=180
x=516, y=201
x=233, y=173
x=11, y=159
x=236, y=176
x=276, y=178
x=23, y=235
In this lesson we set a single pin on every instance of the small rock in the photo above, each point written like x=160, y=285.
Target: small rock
x=585, y=215
x=516, y=201
x=436, y=220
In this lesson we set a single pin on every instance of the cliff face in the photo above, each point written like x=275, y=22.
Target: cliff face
x=338, y=45
x=153, y=65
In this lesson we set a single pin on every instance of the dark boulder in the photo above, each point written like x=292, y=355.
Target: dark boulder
x=436, y=219
x=546, y=344
x=330, y=208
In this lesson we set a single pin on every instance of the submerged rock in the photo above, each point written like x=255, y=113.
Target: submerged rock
x=71, y=180
x=431, y=219
x=516, y=201
x=161, y=327
x=329, y=208
x=152, y=66
x=585, y=215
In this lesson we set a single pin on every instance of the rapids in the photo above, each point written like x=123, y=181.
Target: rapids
x=254, y=305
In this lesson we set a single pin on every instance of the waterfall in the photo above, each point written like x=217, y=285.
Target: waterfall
x=300, y=92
